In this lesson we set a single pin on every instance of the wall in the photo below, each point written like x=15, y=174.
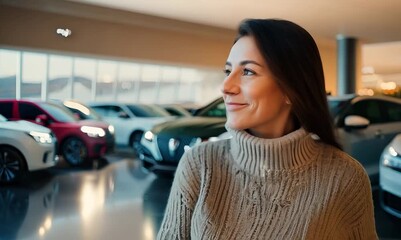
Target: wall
x=121, y=34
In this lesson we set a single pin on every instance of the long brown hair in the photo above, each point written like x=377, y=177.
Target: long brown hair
x=294, y=60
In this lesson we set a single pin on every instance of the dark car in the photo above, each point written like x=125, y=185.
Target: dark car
x=364, y=126
x=163, y=146
x=78, y=140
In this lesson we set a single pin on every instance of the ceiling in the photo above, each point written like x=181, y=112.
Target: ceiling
x=377, y=24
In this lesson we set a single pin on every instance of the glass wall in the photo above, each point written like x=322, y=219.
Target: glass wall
x=46, y=76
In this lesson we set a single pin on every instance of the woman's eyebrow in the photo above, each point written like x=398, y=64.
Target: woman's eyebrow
x=242, y=63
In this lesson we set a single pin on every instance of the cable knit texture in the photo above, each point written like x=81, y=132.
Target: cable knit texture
x=292, y=187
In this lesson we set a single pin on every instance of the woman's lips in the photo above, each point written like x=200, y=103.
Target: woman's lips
x=232, y=106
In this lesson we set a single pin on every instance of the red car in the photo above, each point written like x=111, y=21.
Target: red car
x=78, y=141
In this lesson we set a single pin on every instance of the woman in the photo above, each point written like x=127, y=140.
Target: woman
x=282, y=175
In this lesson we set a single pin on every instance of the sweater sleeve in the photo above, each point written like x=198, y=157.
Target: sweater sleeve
x=358, y=209
x=183, y=196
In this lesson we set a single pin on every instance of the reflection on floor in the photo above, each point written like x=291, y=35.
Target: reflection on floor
x=118, y=201
x=110, y=199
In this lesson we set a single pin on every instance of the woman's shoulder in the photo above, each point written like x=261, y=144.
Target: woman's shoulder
x=344, y=162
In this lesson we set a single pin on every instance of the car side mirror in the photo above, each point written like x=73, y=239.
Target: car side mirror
x=42, y=119
x=355, y=122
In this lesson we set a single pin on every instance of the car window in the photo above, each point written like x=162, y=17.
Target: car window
x=148, y=111
x=393, y=111
x=59, y=113
x=6, y=109
x=217, y=111
x=29, y=111
x=109, y=111
x=369, y=109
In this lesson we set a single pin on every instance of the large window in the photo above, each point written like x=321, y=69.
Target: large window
x=34, y=74
x=55, y=76
x=8, y=73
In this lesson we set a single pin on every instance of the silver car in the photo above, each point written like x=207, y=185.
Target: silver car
x=24, y=147
x=390, y=177
x=365, y=125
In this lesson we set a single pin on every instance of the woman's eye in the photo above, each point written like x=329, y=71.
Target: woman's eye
x=248, y=72
x=227, y=72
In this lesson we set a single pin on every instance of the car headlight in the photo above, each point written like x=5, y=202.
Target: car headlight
x=41, y=137
x=111, y=129
x=391, y=158
x=93, y=131
x=149, y=136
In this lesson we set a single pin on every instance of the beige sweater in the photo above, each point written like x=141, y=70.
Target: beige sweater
x=293, y=187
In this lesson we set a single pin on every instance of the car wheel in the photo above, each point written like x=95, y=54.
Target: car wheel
x=74, y=151
x=12, y=165
x=136, y=143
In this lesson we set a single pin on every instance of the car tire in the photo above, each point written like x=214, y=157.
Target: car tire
x=12, y=165
x=135, y=143
x=74, y=151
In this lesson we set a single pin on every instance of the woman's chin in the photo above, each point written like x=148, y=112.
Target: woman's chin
x=234, y=125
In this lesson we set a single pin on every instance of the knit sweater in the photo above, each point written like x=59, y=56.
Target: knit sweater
x=292, y=187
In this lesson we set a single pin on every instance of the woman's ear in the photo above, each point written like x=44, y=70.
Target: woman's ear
x=287, y=101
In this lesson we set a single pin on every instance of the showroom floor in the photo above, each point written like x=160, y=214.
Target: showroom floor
x=113, y=199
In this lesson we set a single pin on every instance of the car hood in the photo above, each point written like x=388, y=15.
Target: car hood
x=191, y=126
x=23, y=126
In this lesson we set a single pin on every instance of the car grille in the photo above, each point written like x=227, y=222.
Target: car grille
x=163, y=142
x=392, y=201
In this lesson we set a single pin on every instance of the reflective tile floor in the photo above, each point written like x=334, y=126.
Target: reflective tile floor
x=112, y=199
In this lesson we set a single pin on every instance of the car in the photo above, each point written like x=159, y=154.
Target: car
x=79, y=141
x=364, y=126
x=162, y=146
x=130, y=121
x=24, y=147
x=390, y=177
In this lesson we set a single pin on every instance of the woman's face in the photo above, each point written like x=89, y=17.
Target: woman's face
x=253, y=99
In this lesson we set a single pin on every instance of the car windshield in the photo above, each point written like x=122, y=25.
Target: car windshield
x=148, y=111
x=59, y=113
x=215, y=109
x=2, y=118
x=83, y=112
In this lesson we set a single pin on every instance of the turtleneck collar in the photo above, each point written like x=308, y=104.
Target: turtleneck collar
x=258, y=155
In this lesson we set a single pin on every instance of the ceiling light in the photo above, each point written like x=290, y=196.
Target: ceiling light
x=64, y=32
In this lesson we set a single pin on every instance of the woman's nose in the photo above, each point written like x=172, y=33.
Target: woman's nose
x=230, y=85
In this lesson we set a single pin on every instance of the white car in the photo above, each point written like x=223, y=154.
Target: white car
x=390, y=177
x=130, y=121
x=24, y=147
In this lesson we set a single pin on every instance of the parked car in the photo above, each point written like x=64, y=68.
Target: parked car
x=390, y=177
x=130, y=121
x=24, y=147
x=79, y=141
x=162, y=146
x=364, y=125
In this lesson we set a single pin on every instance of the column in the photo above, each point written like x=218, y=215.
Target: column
x=346, y=65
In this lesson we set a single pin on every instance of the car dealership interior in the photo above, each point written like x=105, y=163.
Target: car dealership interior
x=139, y=82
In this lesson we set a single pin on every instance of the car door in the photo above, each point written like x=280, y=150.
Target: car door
x=366, y=144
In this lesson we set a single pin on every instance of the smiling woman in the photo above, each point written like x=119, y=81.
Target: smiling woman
x=282, y=175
